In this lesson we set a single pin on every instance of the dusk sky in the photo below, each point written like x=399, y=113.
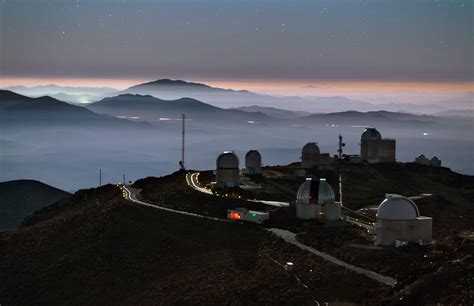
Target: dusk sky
x=236, y=41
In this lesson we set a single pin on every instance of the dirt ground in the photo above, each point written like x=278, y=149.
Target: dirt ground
x=98, y=248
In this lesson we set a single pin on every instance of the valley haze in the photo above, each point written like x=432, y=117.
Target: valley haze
x=139, y=130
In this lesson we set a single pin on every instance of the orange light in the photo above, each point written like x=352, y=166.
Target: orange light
x=234, y=215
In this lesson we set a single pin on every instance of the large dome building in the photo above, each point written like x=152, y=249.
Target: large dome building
x=253, y=163
x=398, y=218
x=310, y=155
x=316, y=198
x=227, y=172
x=375, y=149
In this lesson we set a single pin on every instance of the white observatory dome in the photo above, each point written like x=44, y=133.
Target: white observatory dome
x=397, y=207
x=315, y=192
x=227, y=160
x=310, y=148
x=253, y=159
x=371, y=134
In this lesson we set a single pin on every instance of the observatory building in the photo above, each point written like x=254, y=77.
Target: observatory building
x=316, y=199
x=227, y=172
x=253, y=163
x=374, y=149
x=398, y=218
x=310, y=155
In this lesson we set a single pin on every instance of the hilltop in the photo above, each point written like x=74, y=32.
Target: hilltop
x=20, y=198
x=96, y=239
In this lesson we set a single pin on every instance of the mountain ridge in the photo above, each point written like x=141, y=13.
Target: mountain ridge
x=22, y=197
x=19, y=109
x=151, y=108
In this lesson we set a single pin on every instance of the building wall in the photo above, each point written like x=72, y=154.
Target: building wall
x=252, y=170
x=388, y=231
x=435, y=162
x=378, y=151
x=307, y=211
x=227, y=178
x=332, y=212
x=309, y=161
x=325, y=161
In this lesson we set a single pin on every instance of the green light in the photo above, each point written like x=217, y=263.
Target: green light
x=254, y=215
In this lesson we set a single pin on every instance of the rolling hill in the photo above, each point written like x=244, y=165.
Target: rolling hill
x=274, y=112
x=228, y=98
x=151, y=109
x=466, y=113
x=379, y=119
x=19, y=109
x=20, y=198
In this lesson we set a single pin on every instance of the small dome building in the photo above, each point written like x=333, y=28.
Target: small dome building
x=316, y=198
x=398, y=218
x=253, y=163
x=423, y=160
x=371, y=134
x=310, y=155
x=227, y=172
x=375, y=149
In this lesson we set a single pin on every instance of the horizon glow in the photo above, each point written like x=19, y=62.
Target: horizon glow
x=370, y=91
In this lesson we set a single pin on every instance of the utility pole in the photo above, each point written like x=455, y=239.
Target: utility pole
x=339, y=166
x=100, y=177
x=183, y=119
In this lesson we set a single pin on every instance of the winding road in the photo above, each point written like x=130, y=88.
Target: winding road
x=129, y=193
x=194, y=183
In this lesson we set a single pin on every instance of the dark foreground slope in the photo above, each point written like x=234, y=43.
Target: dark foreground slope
x=20, y=198
x=97, y=248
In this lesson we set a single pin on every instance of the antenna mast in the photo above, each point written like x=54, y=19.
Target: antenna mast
x=341, y=145
x=181, y=163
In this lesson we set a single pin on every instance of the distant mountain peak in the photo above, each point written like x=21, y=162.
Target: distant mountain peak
x=129, y=95
x=170, y=82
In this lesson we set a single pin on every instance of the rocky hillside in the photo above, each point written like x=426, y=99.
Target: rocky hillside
x=98, y=248
x=20, y=198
